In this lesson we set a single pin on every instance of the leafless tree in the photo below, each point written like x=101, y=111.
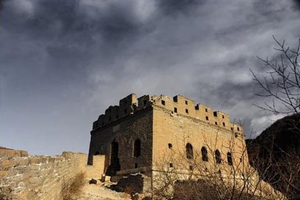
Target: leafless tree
x=193, y=178
x=281, y=82
x=280, y=168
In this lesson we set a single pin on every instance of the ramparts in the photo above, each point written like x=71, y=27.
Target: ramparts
x=9, y=153
x=178, y=105
x=43, y=177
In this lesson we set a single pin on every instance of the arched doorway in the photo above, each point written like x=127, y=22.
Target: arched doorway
x=114, y=151
x=137, y=148
x=114, y=159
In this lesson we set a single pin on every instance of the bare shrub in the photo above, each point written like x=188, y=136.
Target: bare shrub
x=281, y=82
x=217, y=178
x=279, y=168
x=209, y=190
x=279, y=150
x=73, y=187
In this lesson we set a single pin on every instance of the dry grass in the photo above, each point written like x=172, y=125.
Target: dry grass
x=5, y=194
x=73, y=187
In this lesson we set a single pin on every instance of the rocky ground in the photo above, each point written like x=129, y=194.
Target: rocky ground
x=100, y=192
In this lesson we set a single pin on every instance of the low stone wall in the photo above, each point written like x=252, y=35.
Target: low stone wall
x=96, y=170
x=42, y=177
x=9, y=153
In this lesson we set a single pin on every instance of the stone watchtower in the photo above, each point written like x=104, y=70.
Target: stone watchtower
x=141, y=133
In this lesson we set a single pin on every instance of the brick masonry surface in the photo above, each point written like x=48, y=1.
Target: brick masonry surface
x=42, y=177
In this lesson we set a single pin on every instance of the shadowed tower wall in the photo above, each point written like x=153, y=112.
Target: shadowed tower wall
x=124, y=135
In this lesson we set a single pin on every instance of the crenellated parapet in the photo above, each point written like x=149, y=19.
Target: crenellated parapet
x=178, y=105
x=126, y=107
x=184, y=106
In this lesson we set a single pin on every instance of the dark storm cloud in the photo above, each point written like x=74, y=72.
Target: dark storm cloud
x=119, y=25
x=297, y=4
x=64, y=21
x=39, y=18
x=1, y=5
x=173, y=7
x=68, y=36
x=64, y=61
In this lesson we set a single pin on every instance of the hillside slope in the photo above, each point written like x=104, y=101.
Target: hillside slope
x=276, y=155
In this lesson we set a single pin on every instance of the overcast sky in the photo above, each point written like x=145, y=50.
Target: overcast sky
x=63, y=62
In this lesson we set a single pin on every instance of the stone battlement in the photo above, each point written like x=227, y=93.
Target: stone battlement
x=43, y=177
x=10, y=153
x=178, y=105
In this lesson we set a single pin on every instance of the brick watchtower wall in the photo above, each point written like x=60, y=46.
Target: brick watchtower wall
x=164, y=137
x=116, y=133
x=150, y=123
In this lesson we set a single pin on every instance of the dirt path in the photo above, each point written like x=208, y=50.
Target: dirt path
x=100, y=192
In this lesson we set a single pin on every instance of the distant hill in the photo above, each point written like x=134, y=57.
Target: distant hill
x=276, y=155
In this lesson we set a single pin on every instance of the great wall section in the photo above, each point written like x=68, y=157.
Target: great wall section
x=41, y=177
x=129, y=144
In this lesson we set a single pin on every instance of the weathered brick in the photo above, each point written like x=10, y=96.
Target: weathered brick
x=3, y=173
x=41, y=177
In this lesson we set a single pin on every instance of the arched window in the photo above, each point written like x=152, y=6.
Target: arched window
x=137, y=148
x=218, y=156
x=189, y=151
x=204, y=154
x=229, y=158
